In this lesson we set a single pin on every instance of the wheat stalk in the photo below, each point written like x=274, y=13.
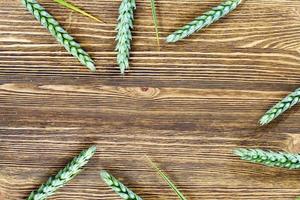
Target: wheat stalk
x=124, y=36
x=167, y=179
x=63, y=176
x=270, y=158
x=59, y=33
x=286, y=103
x=118, y=187
x=204, y=20
x=76, y=9
x=155, y=21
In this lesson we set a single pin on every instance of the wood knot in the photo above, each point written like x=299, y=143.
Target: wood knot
x=141, y=92
x=144, y=89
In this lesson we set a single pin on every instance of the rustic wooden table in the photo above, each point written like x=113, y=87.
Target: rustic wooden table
x=186, y=105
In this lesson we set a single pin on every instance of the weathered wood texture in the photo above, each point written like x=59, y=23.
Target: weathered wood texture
x=186, y=105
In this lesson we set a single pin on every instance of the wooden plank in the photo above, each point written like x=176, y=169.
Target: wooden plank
x=186, y=105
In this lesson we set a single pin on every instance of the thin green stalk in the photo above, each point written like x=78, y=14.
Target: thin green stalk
x=154, y=16
x=285, y=104
x=76, y=9
x=204, y=20
x=64, y=176
x=270, y=158
x=118, y=187
x=124, y=36
x=167, y=179
x=59, y=33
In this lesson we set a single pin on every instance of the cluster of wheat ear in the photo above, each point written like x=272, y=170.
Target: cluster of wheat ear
x=123, y=46
x=124, y=28
x=127, y=194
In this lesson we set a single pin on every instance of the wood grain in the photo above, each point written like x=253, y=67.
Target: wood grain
x=186, y=105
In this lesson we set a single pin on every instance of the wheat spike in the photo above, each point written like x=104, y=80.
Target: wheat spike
x=118, y=187
x=286, y=103
x=63, y=176
x=270, y=158
x=59, y=33
x=204, y=20
x=124, y=36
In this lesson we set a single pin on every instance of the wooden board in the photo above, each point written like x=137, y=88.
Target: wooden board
x=186, y=105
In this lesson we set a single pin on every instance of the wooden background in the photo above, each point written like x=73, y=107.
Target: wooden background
x=186, y=105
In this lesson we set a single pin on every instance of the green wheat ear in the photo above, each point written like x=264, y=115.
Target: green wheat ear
x=118, y=187
x=72, y=169
x=124, y=36
x=59, y=33
x=270, y=158
x=204, y=20
x=286, y=103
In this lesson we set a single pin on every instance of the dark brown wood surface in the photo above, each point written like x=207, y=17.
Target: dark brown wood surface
x=186, y=105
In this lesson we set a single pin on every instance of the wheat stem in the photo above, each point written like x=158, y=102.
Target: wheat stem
x=77, y=9
x=286, y=103
x=118, y=187
x=124, y=36
x=167, y=179
x=63, y=176
x=204, y=20
x=155, y=21
x=59, y=33
x=270, y=158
